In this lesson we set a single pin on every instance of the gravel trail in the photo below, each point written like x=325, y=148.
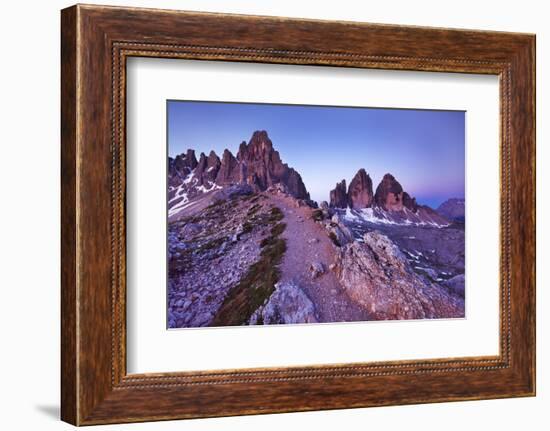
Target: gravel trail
x=307, y=243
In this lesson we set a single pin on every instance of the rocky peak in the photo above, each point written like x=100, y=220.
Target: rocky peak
x=207, y=168
x=241, y=154
x=261, y=141
x=339, y=195
x=191, y=159
x=360, y=190
x=213, y=160
x=260, y=166
x=259, y=147
x=202, y=161
x=227, y=156
x=257, y=164
x=181, y=166
x=389, y=194
x=228, y=172
x=185, y=162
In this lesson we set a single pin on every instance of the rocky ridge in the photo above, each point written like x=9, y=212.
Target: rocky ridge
x=389, y=205
x=257, y=164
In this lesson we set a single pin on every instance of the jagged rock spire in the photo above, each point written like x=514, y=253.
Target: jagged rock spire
x=389, y=194
x=360, y=190
x=339, y=195
x=257, y=164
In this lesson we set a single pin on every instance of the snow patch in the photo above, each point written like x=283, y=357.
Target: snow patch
x=350, y=215
x=402, y=218
x=213, y=186
x=183, y=203
x=189, y=177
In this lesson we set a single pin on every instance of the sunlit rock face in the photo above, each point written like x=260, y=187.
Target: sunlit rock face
x=360, y=191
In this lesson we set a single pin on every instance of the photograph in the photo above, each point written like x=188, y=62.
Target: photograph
x=302, y=214
x=276, y=210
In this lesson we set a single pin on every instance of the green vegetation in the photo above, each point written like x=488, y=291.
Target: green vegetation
x=217, y=209
x=278, y=229
x=271, y=240
x=247, y=227
x=252, y=198
x=259, y=282
x=253, y=210
x=275, y=215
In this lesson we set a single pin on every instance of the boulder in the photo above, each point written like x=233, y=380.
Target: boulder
x=287, y=304
x=338, y=231
x=377, y=276
x=232, y=191
x=316, y=269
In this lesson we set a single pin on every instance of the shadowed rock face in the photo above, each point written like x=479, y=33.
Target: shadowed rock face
x=288, y=304
x=207, y=169
x=360, y=191
x=409, y=202
x=228, y=172
x=389, y=194
x=339, y=196
x=181, y=166
x=261, y=167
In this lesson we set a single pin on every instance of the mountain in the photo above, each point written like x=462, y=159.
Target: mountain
x=246, y=246
x=389, y=205
x=391, y=197
x=257, y=165
x=360, y=190
x=339, y=196
x=453, y=209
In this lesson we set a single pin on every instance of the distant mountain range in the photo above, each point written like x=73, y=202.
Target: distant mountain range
x=453, y=209
x=258, y=165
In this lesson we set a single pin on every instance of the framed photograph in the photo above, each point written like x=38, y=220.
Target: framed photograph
x=322, y=214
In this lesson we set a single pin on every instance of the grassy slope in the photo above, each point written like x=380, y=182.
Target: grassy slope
x=258, y=283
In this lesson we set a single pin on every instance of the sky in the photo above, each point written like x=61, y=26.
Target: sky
x=423, y=149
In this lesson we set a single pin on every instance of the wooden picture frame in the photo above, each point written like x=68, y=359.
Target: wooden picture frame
x=95, y=43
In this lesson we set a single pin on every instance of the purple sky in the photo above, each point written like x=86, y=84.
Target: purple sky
x=423, y=149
